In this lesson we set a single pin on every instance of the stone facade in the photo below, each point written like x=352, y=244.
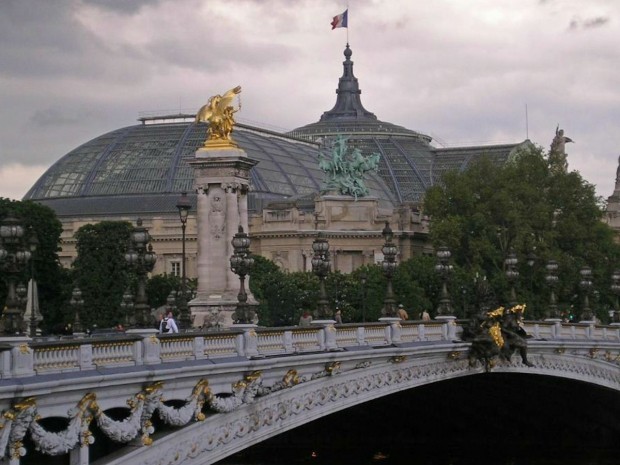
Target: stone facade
x=284, y=234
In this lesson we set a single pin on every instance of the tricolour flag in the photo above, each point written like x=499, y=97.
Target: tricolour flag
x=340, y=20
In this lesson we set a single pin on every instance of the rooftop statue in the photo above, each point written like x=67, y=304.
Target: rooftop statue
x=346, y=169
x=557, y=152
x=218, y=112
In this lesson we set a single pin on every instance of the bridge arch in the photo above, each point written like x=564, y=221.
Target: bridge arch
x=222, y=435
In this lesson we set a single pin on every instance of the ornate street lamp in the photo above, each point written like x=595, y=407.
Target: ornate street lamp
x=321, y=265
x=241, y=263
x=512, y=275
x=184, y=206
x=33, y=244
x=586, y=284
x=13, y=259
x=552, y=281
x=389, y=265
x=363, y=280
x=141, y=258
x=444, y=270
x=76, y=302
x=22, y=294
x=22, y=297
x=127, y=306
x=531, y=259
x=615, y=288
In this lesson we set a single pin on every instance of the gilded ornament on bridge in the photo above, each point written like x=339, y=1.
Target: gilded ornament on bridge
x=253, y=376
x=291, y=378
x=497, y=334
x=332, y=367
x=219, y=114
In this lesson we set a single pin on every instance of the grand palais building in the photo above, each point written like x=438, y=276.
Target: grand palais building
x=140, y=171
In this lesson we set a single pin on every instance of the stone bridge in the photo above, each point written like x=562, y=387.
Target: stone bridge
x=196, y=398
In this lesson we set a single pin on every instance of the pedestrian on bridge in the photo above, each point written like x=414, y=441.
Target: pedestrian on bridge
x=168, y=325
x=402, y=313
x=305, y=319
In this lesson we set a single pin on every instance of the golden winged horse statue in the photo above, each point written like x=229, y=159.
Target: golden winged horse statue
x=218, y=112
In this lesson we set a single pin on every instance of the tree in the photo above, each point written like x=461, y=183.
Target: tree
x=159, y=287
x=100, y=271
x=488, y=210
x=416, y=285
x=53, y=281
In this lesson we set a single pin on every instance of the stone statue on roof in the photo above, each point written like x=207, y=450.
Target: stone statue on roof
x=218, y=112
x=557, y=152
x=345, y=170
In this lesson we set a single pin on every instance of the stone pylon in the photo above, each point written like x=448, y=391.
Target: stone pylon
x=221, y=180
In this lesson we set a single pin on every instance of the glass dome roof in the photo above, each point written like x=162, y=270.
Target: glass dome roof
x=143, y=168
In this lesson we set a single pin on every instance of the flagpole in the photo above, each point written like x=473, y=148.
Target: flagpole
x=347, y=23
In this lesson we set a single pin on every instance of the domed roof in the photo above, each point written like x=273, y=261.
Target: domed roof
x=143, y=169
x=409, y=165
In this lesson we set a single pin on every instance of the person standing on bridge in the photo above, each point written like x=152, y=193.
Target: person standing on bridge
x=168, y=325
x=402, y=313
x=305, y=319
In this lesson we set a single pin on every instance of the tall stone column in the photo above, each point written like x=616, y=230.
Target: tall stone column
x=221, y=180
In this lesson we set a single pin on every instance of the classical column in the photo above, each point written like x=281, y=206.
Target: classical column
x=233, y=221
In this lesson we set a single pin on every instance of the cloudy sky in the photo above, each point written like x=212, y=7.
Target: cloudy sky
x=462, y=71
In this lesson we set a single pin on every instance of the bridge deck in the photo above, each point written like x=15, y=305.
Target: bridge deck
x=90, y=376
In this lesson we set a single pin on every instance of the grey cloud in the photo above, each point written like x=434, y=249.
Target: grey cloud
x=218, y=56
x=122, y=6
x=42, y=39
x=589, y=23
x=595, y=22
x=52, y=116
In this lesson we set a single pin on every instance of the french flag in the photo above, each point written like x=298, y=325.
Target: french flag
x=340, y=20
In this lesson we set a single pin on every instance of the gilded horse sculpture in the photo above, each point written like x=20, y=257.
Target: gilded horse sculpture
x=218, y=112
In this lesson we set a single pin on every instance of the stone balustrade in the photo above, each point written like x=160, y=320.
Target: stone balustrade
x=21, y=356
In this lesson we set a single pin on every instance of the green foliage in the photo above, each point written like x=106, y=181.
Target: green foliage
x=158, y=288
x=488, y=209
x=285, y=296
x=367, y=298
x=53, y=281
x=416, y=285
x=100, y=270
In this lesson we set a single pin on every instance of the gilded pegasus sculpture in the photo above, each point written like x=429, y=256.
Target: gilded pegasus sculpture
x=218, y=112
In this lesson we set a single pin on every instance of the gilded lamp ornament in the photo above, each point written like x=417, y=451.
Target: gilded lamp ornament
x=218, y=112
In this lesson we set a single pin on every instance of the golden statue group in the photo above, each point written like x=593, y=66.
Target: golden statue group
x=497, y=334
x=218, y=113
